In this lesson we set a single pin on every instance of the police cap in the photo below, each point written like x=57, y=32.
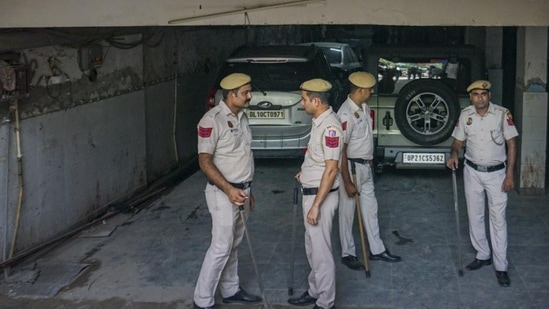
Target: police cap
x=234, y=81
x=316, y=85
x=479, y=85
x=362, y=79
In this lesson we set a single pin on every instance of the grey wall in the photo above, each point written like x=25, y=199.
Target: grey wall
x=86, y=145
x=179, y=73
x=75, y=162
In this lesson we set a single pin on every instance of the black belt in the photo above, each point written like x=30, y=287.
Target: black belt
x=482, y=168
x=241, y=186
x=360, y=161
x=314, y=191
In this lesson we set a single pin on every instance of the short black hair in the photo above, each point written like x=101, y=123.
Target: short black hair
x=324, y=97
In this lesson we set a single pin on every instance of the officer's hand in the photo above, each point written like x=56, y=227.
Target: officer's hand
x=452, y=163
x=508, y=184
x=351, y=189
x=298, y=177
x=237, y=196
x=312, y=215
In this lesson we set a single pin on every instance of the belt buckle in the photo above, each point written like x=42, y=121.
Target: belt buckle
x=481, y=168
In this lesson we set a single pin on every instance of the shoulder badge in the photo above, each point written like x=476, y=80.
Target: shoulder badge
x=204, y=132
x=331, y=138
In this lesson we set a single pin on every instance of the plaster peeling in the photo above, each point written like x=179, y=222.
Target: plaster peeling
x=532, y=175
x=535, y=85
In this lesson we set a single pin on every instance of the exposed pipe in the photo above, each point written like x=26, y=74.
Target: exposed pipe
x=19, y=176
x=244, y=10
x=152, y=192
x=175, y=101
x=58, y=239
x=6, y=124
x=21, y=255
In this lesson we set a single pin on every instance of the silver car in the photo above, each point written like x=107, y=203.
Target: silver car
x=280, y=127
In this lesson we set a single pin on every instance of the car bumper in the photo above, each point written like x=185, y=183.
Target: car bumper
x=280, y=147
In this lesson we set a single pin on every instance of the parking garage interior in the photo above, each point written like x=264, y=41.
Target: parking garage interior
x=104, y=106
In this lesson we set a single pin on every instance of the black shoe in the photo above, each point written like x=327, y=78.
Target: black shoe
x=476, y=264
x=195, y=306
x=503, y=278
x=318, y=307
x=304, y=300
x=385, y=256
x=242, y=297
x=352, y=262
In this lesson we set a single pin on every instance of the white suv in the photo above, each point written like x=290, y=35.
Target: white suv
x=415, y=112
x=280, y=126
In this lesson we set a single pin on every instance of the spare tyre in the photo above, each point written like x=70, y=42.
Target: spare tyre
x=426, y=112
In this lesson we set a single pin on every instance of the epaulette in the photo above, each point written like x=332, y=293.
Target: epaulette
x=216, y=110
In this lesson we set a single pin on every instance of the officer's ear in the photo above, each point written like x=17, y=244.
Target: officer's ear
x=316, y=101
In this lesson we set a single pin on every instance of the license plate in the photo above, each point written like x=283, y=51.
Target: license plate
x=423, y=158
x=266, y=114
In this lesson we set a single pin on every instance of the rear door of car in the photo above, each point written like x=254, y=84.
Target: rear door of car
x=401, y=127
x=275, y=110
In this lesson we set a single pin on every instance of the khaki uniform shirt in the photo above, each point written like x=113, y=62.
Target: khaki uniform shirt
x=228, y=138
x=325, y=143
x=485, y=136
x=357, y=130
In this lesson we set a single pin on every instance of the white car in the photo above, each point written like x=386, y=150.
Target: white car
x=280, y=126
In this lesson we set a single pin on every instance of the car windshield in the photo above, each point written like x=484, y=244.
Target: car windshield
x=286, y=76
x=333, y=55
x=392, y=76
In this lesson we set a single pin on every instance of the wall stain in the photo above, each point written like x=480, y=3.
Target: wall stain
x=532, y=174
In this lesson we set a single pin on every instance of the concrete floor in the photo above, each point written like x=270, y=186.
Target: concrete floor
x=151, y=259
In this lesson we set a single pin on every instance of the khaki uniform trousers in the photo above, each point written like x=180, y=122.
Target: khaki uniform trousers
x=220, y=266
x=476, y=184
x=318, y=247
x=368, y=208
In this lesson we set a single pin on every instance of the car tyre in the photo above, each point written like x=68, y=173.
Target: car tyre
x=426, y=112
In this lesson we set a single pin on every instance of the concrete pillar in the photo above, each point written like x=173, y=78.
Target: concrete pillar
x=494, y=55
x=531, y=109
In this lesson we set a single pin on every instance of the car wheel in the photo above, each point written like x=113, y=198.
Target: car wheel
x=426, y=112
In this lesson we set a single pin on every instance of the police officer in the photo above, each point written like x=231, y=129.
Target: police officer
x=488, y=130
x=318, y=176
x=225, y=157
x=358, y=152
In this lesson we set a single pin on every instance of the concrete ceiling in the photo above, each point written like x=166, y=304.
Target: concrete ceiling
x=131, y=13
